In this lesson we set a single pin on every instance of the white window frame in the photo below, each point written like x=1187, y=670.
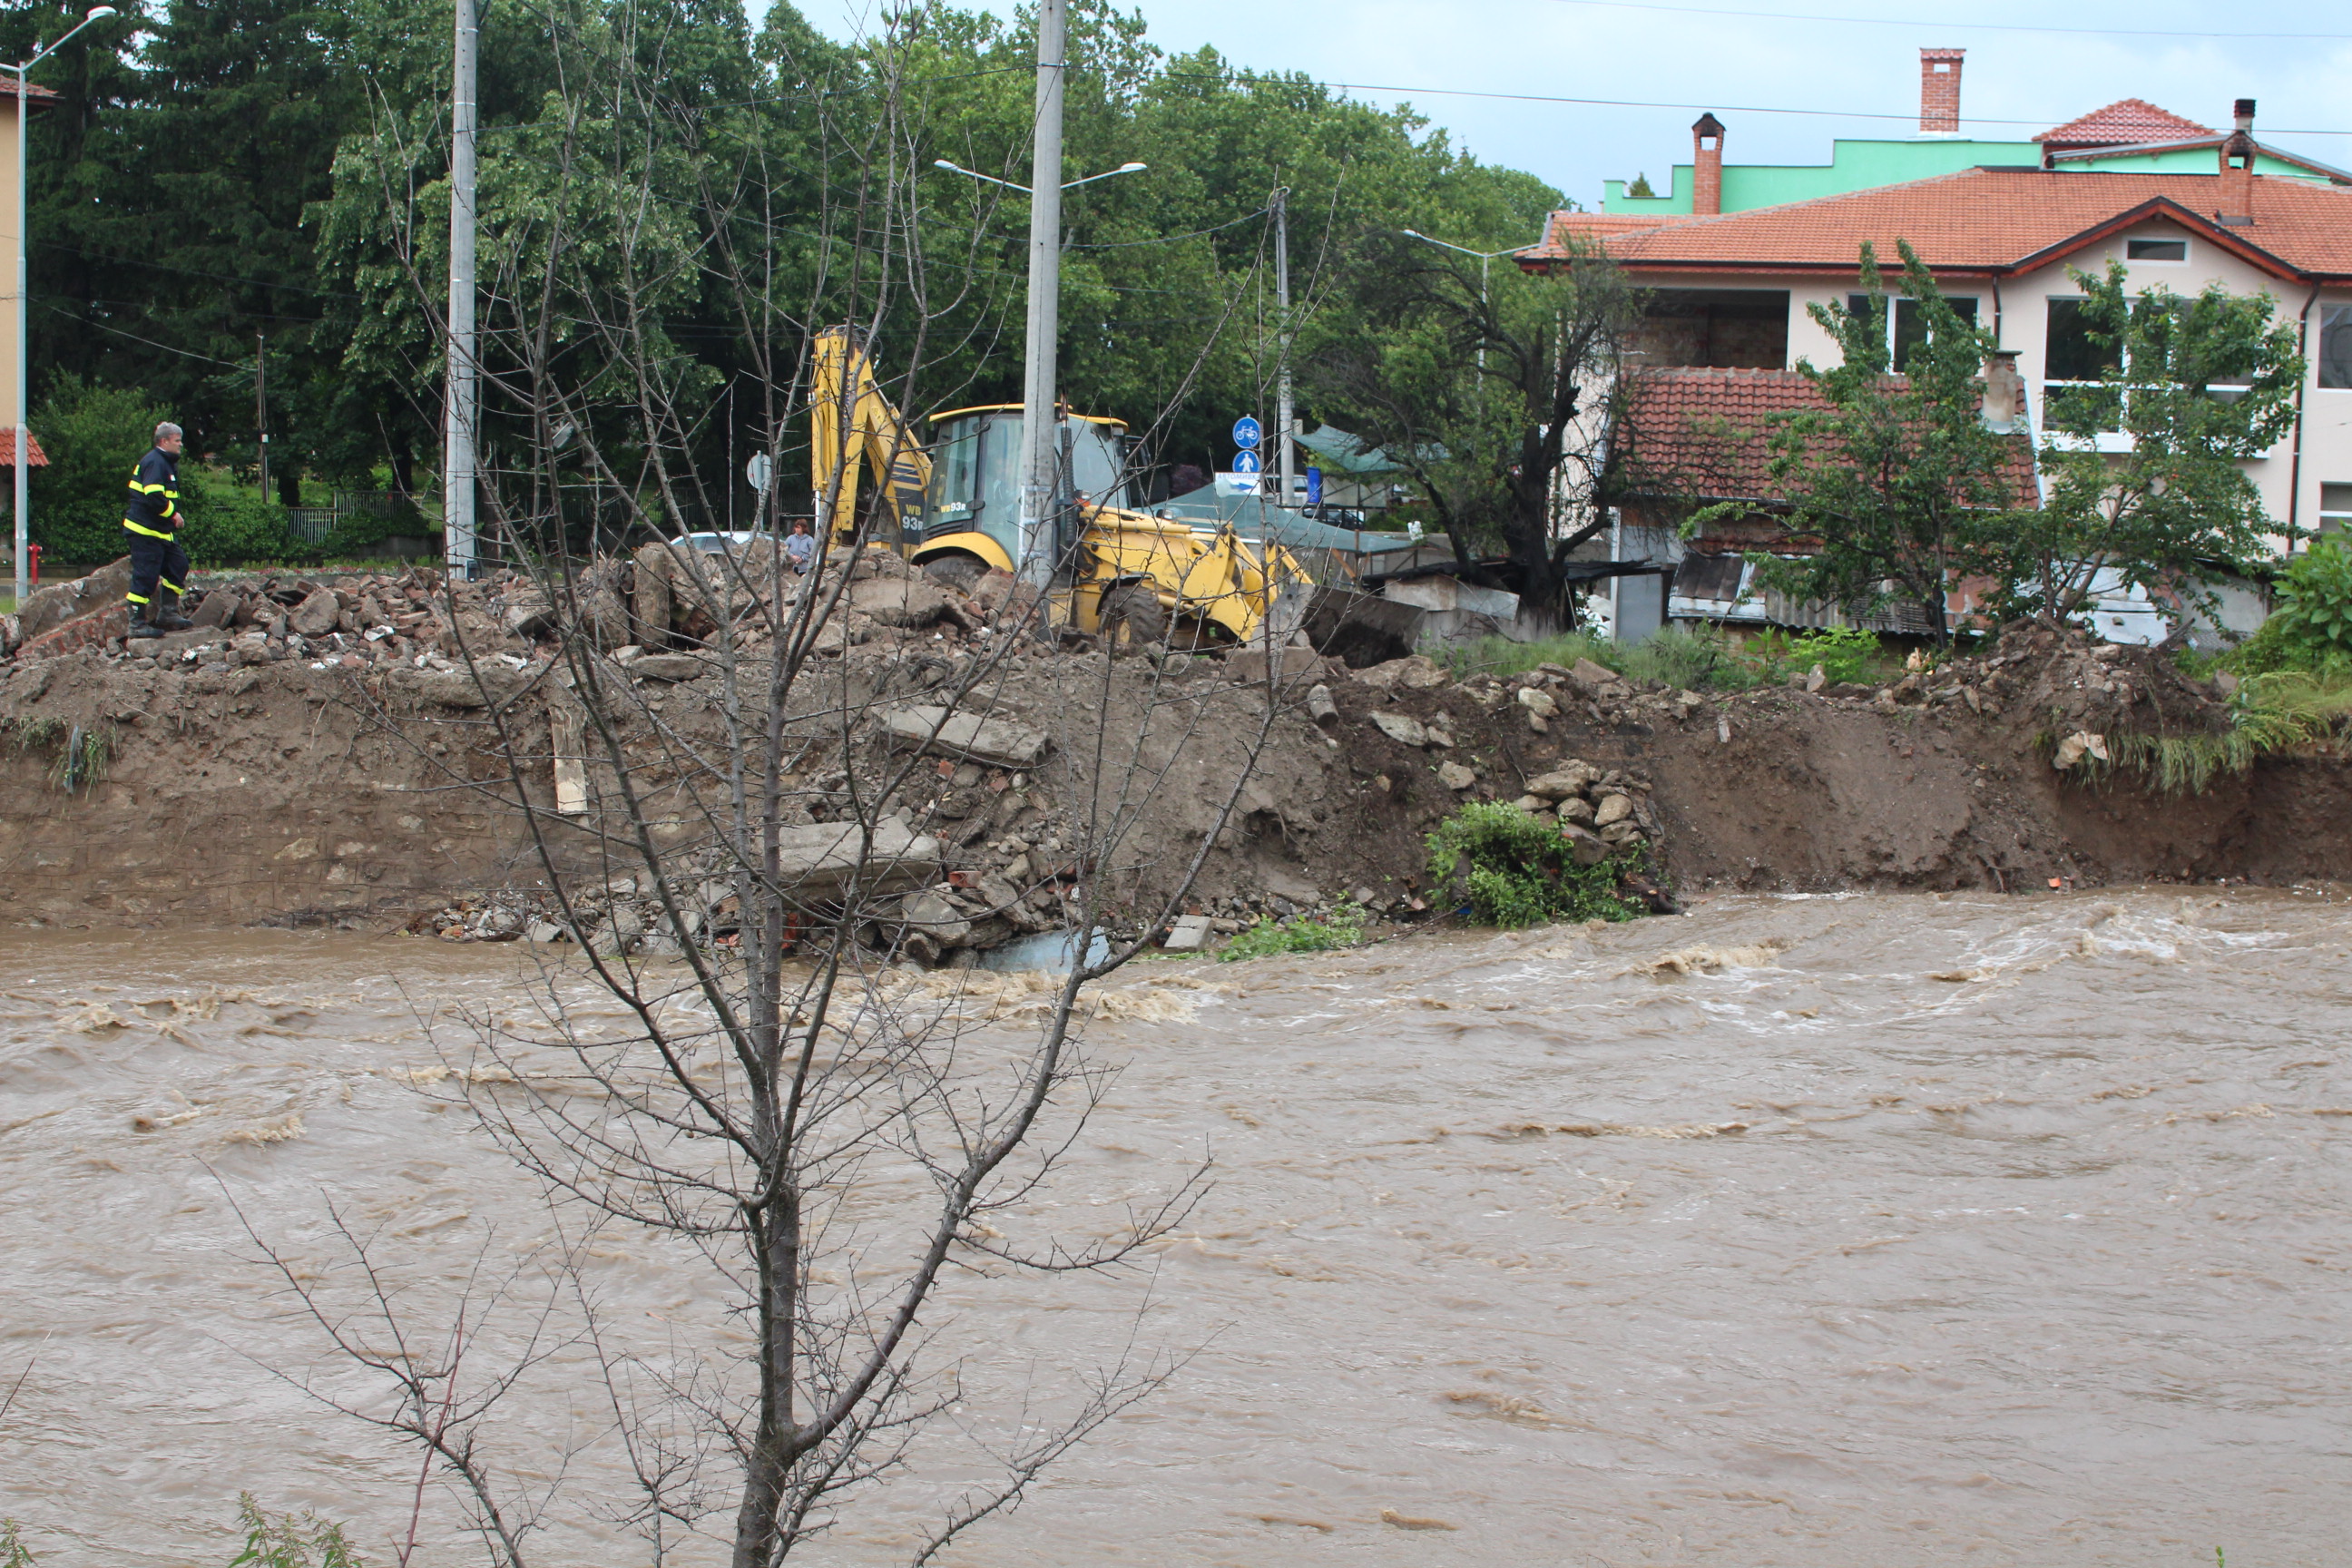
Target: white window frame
x=2106, y=440
x=2335, y=521
x=1894, y=302
x=2342, y=311
x=2187, y=253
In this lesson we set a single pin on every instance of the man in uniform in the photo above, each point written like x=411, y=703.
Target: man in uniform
x=158, y=565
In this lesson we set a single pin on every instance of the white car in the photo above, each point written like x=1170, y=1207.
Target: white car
x=722, y=544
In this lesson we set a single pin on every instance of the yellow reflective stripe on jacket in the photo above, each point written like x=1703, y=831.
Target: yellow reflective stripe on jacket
x=150, y=532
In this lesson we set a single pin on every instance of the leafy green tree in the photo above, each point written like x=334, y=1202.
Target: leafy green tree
x=2142, y=471
x=1899, y=477
x=173, y=240
x=1490, y=393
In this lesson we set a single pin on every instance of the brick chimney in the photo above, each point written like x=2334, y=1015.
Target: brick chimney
x=1707, y=157
x=1939, y=92
x=2003, y=404
x=2238, y=165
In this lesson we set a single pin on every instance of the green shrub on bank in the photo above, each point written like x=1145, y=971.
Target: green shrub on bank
x=1343, y=927
x=1518, y=871
x=2310, y=629
x=284, y=1541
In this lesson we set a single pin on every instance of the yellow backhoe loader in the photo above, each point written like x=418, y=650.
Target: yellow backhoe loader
x=954, y=506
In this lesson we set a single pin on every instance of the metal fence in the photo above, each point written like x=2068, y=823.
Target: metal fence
x=310, y=524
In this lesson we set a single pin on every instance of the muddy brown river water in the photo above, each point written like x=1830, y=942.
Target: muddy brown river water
x=1855, y=1230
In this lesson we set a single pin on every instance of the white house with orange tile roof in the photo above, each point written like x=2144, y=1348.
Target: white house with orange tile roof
x=1731, y=293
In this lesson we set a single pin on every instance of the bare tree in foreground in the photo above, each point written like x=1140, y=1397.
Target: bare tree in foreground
x=751, y=793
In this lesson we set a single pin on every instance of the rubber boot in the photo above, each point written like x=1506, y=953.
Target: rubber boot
x=166, y=612
x=140, y=625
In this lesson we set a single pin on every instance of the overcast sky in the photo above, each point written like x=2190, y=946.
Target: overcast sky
x=2016, y=81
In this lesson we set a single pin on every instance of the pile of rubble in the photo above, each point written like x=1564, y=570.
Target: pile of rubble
x=1600, y=811
x=350, y=619
x=662, y=598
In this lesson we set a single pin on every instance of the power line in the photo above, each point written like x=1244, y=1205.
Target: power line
x=134, y=337
x=1956, y=27
x=1168, y=238
x=1907, y=116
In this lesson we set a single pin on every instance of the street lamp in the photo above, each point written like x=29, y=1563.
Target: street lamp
x=1040, y=455
x=1484, y=258
x=1071, y=185
x=24, y=390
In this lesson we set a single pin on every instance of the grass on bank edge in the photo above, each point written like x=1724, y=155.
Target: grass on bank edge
x=1696, y=660
x=2271, y=714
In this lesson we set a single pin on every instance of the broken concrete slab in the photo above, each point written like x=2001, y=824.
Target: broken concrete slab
x=1403, y=729
x=933, y=916
x=1187, y=933
x=1593, y=678
x=1250, y=664
x=53, y=604
x=1417, y=672
x=820, y=859
x=945, y=732
x=316, y=616
x=908, y=602
x=669, y=666
x=528, y=613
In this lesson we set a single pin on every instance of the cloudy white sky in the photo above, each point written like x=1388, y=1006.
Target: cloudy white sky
x=1739, y=64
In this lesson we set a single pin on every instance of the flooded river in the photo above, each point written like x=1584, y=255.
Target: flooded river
x=1836, y=1231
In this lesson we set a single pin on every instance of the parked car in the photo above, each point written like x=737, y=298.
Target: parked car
x=722, y=544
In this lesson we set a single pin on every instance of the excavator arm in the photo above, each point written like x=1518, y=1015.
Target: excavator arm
x=853, y=427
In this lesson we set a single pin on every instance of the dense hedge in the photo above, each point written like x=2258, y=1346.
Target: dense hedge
x=94, y=437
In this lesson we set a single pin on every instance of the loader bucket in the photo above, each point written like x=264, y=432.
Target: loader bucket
x=1362, y=629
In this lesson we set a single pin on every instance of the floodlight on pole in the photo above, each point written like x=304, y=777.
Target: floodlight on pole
x=1484, y=258
x=24, y=453
x=1008, y=184
x=1041, y=445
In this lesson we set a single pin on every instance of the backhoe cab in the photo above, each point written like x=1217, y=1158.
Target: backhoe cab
x=954, y=507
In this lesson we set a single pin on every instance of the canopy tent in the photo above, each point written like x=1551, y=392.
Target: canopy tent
x=1254, y=519
x=1347, y=453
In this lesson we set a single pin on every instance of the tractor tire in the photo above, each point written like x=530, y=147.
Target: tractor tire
x=1132, y=616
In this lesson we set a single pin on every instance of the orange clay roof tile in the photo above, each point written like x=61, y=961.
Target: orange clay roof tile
x=2123, y=123
x=1705, y=432
x=1985, y=220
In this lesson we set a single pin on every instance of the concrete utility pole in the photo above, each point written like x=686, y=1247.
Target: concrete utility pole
x=463, y=397
x=1282, y=417
x=261, y=403
x=23, y=456
x=1040, y=470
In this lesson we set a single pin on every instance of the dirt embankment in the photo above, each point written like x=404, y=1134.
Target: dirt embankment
x=236, y=786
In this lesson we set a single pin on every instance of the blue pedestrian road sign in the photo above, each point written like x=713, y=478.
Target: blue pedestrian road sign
x=1246, y=433
x=1314, y=486
x=1245, y=462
